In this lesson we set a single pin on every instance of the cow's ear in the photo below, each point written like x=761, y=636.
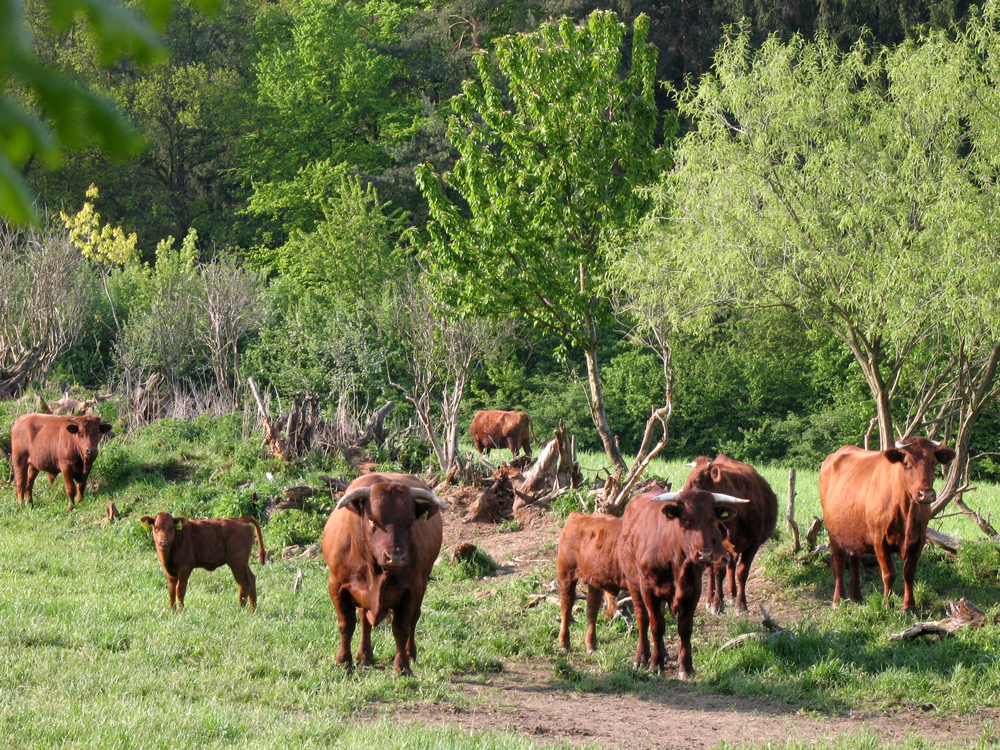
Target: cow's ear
x=724, y=512
x=895, y=456
x=716, y=473
x=72, y=427
x=944, y=455
x=146, y=521
x=105, y=427
x=671, y=510
x=426, y=509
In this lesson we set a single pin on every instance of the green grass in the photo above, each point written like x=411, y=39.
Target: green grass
x=90, y=656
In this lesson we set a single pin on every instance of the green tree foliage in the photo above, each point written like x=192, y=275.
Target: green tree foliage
x=44, y=110
x=554, y=143
x=327, y=99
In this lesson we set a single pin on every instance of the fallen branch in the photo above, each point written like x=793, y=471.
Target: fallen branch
x=773, y=628
x=944, y=541
x=962, y=613
x=813, y=533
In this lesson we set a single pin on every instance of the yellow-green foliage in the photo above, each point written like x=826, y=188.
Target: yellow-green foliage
x=105, y=244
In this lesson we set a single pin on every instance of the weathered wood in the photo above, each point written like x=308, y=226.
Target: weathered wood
x=271, y=435
x=773, y=628
x=813, y=533
x=961, y=614
x=790, y=513
x=944, y=541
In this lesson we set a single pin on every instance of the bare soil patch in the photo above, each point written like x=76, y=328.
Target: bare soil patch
x=671, y=714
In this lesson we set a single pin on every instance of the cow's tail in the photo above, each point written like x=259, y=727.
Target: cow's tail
x=531, y=429
x=260, y=537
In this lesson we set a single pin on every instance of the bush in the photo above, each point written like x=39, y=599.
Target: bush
x=978, y=562
x=293, y=527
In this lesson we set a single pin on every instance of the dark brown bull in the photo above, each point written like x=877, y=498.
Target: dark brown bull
x=588, y=552
x=183, y=545
x=667, y=540
x=879, y=501
x=501, y=429
x=66, y=445
x=380, y=543
x=746, y=531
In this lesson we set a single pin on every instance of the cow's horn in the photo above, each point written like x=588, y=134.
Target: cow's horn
x=690, y=464
x=936, y=443
x=355, y=494
x=418, y=493
x=903, y=443
x=722, y=498
x=665, y=497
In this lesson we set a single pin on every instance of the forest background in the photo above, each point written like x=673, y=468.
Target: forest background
x=775, y=218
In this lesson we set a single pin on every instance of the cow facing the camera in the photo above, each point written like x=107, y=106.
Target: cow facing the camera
x=380, y=544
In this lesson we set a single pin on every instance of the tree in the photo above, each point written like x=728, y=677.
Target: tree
x=855, y=189
x=44, y=110
x=554, y=143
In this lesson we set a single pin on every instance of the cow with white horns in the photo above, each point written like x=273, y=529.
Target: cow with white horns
x=879, y=502
x=380, y=544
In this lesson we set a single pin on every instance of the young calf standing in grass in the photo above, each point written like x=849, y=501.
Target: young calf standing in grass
x=183, y=545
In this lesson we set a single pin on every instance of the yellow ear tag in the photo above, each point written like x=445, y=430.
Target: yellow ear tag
x=178, y=525
x=145, y=524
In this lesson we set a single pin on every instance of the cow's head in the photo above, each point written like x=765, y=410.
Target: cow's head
x=87, y=432
x=704, y=474
x=165, y=528
x=388, y=510
x=918, y=457
x=699, y=515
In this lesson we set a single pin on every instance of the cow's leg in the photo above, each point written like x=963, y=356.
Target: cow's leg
x=657, y=627
x=837, y=561
x=512, y=446
x=29, y=484
x=715, y=601
x=172, y=590
x=402, y=627
x=182, y=583
x=910, y=558
x=742, y=573
x=567, y=596
x=888, y=567
x=365, y=654
x=70, y=488
x=81, y=487
x=246, y=582
x=411, y=642
x=20, y=477
x=684, y=612
x=854, y=591
x=641, y=626
x=595, y=598
x=347, y=620
x=731, y=577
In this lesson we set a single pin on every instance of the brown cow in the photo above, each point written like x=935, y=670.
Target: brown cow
x=667, y=540
x=66, y=445
x=746, y=531
x=501, y=429
x=588, y=551
x=380, y=543
x=879, y=501
x=183, y=545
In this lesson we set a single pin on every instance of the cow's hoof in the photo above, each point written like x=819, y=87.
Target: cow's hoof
x=683, y=674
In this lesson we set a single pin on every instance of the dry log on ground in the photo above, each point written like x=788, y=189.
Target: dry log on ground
x=774, y=630
x=555, y=467
x=813, y=533
x=961, y=614
x=944, y=541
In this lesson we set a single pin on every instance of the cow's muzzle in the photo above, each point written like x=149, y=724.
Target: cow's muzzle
x=926, y=497
x=394, y=560
x=705, y=557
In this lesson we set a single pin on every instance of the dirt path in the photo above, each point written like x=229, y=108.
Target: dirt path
x=522, y=700
x=525, y=700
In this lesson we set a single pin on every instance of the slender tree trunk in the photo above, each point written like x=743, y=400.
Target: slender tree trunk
x=596, y=402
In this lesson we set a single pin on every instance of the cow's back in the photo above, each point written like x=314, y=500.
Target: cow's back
x=41, y=438
x=852, y=489
x=646, y=539
x=211, y=543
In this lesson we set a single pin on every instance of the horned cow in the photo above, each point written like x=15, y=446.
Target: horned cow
x=54, y=444
x=667, y=539
x=380, y=544
x=746, y=531
x=879, y=501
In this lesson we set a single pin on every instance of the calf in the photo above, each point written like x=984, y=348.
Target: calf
x=380, y=544
x=53, y=444
x=183, y=545
x=666, y=541
x=746, y=531
x=588, y=551
x=879, y=501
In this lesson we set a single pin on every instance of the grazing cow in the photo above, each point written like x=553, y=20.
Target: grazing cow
x=879, y=501
x=667, y=539
x=380, y=543
x=66, y=445
x=588, y=551
x=746, y=531
x=501, y=429
x=183, y=545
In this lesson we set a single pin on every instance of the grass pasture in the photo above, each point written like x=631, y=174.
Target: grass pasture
x=90, y=656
